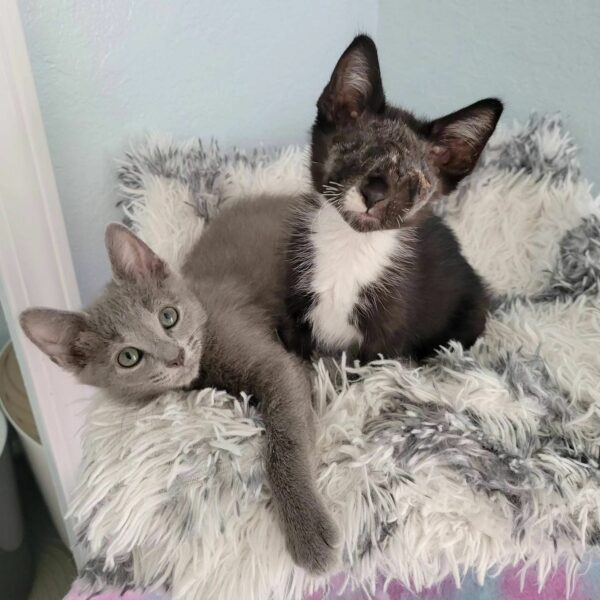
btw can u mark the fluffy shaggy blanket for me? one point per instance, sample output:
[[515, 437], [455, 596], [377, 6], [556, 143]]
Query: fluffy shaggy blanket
[[478, 460]]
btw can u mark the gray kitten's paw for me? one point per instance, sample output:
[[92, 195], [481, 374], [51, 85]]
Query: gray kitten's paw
[[312, 540]]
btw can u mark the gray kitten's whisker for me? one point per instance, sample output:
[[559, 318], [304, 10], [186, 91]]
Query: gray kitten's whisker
[[231, 309], [89, 344]]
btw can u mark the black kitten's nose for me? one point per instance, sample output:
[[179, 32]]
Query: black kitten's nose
[[178, 360], [374, 190]]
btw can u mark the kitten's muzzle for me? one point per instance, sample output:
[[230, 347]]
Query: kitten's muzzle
[[374, 190], [178, 361]]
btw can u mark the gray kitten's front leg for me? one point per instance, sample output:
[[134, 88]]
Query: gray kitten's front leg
[[242, 355], [310, 532]]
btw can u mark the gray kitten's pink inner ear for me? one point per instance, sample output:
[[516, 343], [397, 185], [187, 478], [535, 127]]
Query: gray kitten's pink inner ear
[[355, 85], [131, 258], [55, 332]]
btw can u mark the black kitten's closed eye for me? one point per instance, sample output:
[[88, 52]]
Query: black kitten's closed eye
[[168, 316]]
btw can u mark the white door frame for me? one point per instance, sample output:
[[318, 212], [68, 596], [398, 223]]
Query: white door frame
[[35, 260]]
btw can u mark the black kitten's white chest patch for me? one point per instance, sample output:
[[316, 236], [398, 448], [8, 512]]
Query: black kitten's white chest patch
[[346, 262]]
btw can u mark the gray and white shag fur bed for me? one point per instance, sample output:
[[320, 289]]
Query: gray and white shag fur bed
[[479, 460]]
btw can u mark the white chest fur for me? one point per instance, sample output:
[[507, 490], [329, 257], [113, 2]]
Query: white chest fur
[[345, 263]]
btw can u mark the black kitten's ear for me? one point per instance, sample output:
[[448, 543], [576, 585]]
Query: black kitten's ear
[[55, 332], [130, 258], [355, 85], [459, 138]]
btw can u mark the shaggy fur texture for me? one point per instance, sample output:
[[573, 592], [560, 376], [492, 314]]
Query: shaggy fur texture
[[479, 459]]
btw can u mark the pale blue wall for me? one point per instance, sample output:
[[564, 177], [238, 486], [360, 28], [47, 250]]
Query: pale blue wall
[[539, 55], [250, 72], [107, 70]]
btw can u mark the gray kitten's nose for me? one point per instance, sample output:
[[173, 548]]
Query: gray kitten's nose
[[374, 190], [178, 360]]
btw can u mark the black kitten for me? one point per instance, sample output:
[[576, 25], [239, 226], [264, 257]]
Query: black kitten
[[371, 270]]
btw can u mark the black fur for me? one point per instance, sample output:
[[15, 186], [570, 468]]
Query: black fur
[[401, 165], [446, 300]]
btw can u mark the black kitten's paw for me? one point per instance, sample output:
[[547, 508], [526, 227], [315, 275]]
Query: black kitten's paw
[[312, 540]]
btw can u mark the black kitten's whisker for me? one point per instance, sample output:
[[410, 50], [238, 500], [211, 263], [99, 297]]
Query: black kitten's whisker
[[370, 266]]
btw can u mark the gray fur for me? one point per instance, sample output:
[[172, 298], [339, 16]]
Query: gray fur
[[578, 268], [229, 299], [237, 268], [523, 151], [126, 314], [201, 168], [528, 459]]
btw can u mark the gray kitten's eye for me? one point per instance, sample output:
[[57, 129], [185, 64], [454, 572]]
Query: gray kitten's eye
[[168, 316], [129, 357]]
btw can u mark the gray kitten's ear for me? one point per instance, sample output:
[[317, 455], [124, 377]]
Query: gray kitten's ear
[[459, 138], [132, 259], [355, 85], [55, 332]]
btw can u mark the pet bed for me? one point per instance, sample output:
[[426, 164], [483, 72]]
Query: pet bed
[[477, 461]]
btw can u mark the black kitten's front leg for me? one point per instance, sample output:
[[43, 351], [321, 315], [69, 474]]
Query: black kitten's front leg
[[296, 336]]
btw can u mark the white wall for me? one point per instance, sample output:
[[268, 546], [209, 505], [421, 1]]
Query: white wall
[[108, 70], [538, 55]]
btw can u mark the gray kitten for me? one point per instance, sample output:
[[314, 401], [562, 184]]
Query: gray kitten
[[213, 324]]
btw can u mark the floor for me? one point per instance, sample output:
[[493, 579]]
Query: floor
[[53, 566]]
